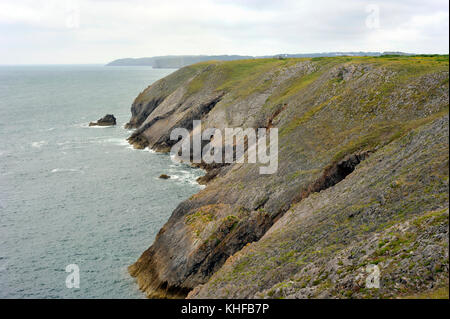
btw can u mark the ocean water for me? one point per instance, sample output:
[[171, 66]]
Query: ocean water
[[73, 194]]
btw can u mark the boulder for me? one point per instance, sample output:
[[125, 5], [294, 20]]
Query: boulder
[[107, 120]]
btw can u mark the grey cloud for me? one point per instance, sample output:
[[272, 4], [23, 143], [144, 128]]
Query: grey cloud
[[34, 31]]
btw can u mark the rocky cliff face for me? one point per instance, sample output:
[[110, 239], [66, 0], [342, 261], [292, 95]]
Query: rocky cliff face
[[362, 179]]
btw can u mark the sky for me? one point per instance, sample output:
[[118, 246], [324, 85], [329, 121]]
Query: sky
[[99, 31]]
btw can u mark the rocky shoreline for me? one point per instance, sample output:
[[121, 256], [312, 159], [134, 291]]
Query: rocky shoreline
[[362, 180]]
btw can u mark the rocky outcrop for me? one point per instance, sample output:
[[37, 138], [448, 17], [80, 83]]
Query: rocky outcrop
[[378, 215], [107, 120], [363, 158]]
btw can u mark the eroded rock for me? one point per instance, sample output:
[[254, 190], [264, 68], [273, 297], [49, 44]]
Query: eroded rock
[[107, 120]]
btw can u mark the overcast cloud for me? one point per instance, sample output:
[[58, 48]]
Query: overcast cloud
[[88, 31]]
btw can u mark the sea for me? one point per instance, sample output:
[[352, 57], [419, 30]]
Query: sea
[[78, 202]]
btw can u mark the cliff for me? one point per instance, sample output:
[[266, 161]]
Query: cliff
[[362, 179]]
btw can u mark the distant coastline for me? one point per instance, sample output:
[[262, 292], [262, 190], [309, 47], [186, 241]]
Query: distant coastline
[[179, 61]]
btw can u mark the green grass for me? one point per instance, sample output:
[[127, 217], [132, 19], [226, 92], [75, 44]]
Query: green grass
[[199, 219], [439, 293], [383, 133], [305, 117], [438, 217], [238, 76], [241, 76], [297, 85]]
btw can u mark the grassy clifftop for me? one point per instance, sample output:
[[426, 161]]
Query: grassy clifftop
[[362, 179]]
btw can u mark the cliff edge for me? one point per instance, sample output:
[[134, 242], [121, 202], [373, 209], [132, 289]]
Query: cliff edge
[[362, 180]]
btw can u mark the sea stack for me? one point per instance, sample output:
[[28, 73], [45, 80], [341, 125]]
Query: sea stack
[[107, 120]]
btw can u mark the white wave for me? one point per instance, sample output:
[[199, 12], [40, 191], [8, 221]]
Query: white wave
[[64, 143], [99, 126], [61, 170], [39, 144], [183, 174], [117, 141], [86, 125], [47, 129], [82, 125], [176, 159], [148, 149]]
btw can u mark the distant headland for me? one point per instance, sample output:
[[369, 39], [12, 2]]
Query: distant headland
[[179, 61]]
